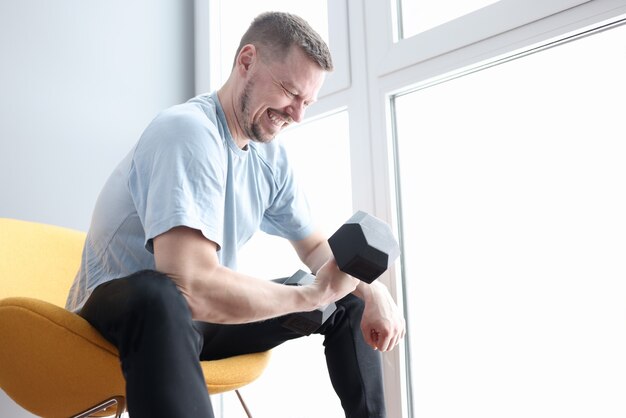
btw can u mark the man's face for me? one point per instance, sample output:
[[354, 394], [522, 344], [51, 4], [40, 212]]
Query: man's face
[[277, 94]]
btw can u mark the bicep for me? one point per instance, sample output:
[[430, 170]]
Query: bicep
[[184, 254]]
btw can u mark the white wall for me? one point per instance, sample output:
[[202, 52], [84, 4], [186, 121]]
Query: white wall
[[79, 81]]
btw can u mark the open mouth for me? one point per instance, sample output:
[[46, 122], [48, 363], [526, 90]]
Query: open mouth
[[277, 119]]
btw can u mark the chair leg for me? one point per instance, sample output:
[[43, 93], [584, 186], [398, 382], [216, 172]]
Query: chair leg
[[245, 407], [116, 400]]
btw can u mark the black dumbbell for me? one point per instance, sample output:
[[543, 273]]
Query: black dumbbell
[[364, 247]]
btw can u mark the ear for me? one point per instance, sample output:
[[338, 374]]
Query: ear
[[246, 57]]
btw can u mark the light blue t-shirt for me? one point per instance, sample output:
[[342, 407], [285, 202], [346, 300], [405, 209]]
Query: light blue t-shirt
[[186, 170]]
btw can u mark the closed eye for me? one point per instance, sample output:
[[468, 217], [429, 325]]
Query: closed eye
[[288, 92], [292, 95]]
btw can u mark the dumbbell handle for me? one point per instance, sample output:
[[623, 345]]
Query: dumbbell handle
[[306, 322]]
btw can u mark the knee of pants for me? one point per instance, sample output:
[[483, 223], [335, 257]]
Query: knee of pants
[[154, 295], [347, 316]]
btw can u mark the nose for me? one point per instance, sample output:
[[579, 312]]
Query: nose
[[296, 111]]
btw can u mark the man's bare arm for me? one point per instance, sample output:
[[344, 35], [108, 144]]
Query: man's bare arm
[[220, 295]]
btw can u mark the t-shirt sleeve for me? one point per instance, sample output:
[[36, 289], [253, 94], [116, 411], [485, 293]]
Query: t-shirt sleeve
[[177, 176]]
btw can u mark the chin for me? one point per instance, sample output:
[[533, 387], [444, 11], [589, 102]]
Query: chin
[[261, 136]]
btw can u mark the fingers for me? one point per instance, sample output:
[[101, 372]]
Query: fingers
[[373, 339], [385, 343], [383, 340]]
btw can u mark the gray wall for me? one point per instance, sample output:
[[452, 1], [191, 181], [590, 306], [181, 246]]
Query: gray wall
[[79, 80]]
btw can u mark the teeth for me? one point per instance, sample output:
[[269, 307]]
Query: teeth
[[276, 120]]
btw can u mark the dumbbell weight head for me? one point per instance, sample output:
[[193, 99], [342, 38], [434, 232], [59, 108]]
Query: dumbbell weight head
[[364, 247]]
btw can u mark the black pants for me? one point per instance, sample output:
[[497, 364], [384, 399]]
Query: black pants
[[148, 320]]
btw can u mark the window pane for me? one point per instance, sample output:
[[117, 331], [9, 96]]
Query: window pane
[[421, 15], [236, 16], [513, 188], [320, 152]]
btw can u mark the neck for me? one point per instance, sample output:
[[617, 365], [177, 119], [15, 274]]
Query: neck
[[227, 97]]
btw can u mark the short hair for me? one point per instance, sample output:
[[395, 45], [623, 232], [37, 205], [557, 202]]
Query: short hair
[[276, 32]]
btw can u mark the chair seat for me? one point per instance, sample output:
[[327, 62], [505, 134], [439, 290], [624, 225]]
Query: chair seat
[[57, 364]]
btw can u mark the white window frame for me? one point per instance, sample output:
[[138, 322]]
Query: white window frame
[[497, 18], [372, 66]]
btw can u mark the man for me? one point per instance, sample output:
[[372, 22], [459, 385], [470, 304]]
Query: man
[[158, 277]]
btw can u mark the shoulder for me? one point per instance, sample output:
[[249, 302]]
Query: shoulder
[[191, 127], [195, 116]]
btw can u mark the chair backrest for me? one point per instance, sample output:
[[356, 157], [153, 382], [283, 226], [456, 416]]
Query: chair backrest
[[38, 260]]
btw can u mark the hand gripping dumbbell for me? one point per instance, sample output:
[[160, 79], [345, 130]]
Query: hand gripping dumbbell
[[364, 247]]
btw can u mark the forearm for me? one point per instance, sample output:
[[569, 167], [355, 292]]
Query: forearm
[[224, 296]]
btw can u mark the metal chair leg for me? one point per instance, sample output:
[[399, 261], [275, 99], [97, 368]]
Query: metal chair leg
[[245, 407], [121, 407], [116, 400]]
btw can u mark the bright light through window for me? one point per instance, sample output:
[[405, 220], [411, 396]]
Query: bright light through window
[[514, 201], [420, 15]]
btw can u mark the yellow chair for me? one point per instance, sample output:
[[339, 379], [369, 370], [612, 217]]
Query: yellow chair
[[52, 362]]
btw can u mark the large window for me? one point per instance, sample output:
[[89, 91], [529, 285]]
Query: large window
[[513, 195], [498, 161]]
